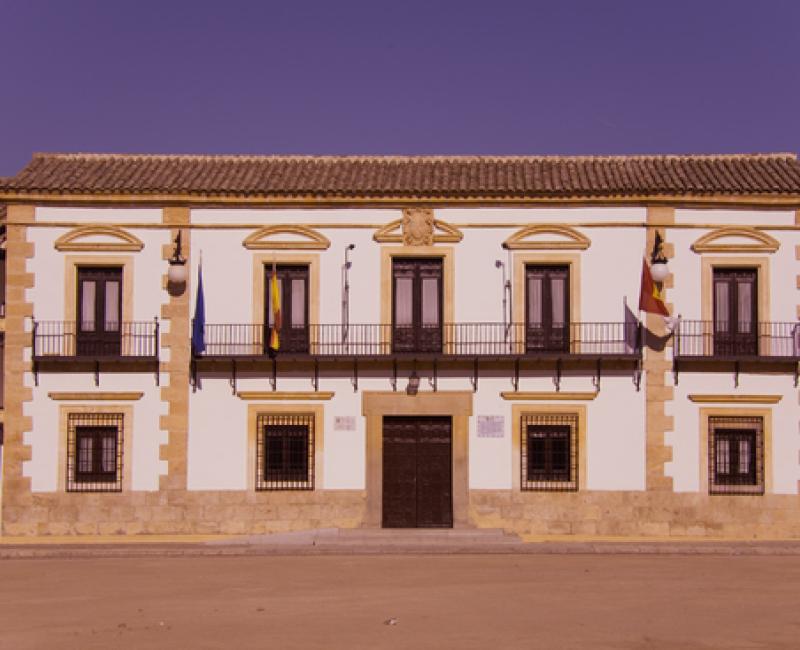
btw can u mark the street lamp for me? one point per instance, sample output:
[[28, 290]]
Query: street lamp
[[176, 275], [658, 263]]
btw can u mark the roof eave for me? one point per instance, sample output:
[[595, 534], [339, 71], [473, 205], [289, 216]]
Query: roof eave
[[773, 201]]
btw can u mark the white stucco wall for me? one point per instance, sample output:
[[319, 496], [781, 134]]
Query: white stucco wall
[[615, 445], [685, 439], [686, 298], [48, 297], [144, 465], [610, 271]]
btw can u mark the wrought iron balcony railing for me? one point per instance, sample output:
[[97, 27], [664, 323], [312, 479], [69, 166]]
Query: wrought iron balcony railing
[[451, 340], [54, 340], [731, 340]]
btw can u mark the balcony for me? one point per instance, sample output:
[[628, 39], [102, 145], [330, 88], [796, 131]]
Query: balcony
[[745, 345], [453, 340], [576, 344], [130, 347]]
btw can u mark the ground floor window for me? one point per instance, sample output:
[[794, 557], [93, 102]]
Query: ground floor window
[[285, 451], [736, 455], [94, 452], [549, 451]]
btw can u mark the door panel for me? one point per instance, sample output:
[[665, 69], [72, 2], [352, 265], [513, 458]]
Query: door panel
[[99, 326], [417, 472], [434, 469], [399, 473], [417, 305], [293, 288], [547, 312], [735, 312]]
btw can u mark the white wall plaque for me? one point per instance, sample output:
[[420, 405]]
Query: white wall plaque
[[344, 423], [491, 426]]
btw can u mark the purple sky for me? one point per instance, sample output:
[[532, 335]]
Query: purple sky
[[375, 77]]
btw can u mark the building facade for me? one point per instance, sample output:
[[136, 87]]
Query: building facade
[[459, 345]]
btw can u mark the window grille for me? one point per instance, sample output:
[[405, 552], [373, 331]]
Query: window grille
[[549, 452], [735, 455], [94, 452], [285, 452]]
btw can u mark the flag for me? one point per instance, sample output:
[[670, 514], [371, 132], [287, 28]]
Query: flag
[[631, 325], [650, 298], [199, 322], [275, 297]]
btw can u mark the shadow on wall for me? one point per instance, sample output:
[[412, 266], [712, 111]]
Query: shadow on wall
[[656, 342]]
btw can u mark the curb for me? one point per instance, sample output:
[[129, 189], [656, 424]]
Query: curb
[[202, 549]]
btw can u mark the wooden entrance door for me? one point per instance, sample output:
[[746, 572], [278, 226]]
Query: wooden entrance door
[[417, 472]]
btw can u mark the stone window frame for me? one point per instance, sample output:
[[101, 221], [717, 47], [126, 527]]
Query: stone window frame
[[520, 262], [260, 410], [262, 260], [74, 262], [706, 414], [125, 412], [579, 412], [444, 253], [708, 264]]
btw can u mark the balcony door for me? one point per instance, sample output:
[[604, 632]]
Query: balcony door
[[547, 308], [417, 305], [735, 312], [99, 327], [293, 289]]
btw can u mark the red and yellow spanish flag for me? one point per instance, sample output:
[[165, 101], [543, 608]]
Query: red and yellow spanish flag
[[275, 294], [650, 298]]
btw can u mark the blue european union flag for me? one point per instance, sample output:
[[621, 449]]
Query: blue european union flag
[[199, 322]]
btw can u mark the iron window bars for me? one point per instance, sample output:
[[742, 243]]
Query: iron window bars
[[549, 452], [735, 455], [285, 451], [94, 452]]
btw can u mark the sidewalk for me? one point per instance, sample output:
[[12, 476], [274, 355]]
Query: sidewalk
[[377, 542]]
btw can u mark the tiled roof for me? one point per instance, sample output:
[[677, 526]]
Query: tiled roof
[[434, 177]]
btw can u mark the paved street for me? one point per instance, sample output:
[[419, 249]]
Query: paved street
[[485, 601]]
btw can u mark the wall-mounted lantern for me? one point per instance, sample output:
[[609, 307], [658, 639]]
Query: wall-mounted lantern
[[177, 274], [413, 384], [658, 263]]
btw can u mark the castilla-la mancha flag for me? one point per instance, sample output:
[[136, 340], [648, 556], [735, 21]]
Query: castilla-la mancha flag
[[650, 298]]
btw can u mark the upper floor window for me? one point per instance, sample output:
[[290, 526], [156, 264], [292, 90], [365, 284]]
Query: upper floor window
[[417, 304], [99, 311], [735, 311], [547, 308], [293, 289]]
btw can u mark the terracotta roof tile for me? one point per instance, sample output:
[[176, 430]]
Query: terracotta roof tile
[[433, 177]]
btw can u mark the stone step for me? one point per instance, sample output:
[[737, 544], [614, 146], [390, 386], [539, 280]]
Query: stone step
[[380, 537]]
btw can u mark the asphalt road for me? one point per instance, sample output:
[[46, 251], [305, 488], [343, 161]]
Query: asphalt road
[[465, 601]]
